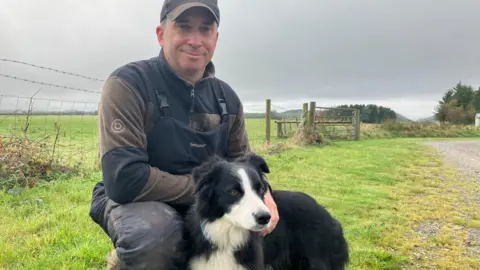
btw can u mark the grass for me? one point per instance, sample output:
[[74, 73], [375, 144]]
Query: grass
[[78, 136], [381, 191], [77, 140], [418, 130]]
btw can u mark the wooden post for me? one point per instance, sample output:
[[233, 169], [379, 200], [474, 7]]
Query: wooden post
[[267, 119], [279, 129], [357, 125], [305, 114], [354, 124], [311, 115]]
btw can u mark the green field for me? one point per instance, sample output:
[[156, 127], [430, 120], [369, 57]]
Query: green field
[[81, 131], [379, 189]]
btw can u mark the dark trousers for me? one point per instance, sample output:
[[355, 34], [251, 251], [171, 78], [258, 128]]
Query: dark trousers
[[146, 235]]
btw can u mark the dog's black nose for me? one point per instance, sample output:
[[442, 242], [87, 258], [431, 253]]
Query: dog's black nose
[[262, 218]]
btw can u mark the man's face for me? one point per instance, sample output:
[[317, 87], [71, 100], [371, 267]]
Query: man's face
[[189, 42]]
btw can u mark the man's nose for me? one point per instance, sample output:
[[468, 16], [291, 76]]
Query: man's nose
[[195, 39]]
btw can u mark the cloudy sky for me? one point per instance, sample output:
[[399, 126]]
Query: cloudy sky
[[396, 53]]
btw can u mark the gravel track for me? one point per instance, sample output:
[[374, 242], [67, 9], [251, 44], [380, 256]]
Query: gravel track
[[464, 155]]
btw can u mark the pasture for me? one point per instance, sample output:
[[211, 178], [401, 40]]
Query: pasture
[[380, 189]]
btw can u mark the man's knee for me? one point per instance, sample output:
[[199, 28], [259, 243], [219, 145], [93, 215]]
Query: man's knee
[[147, 235]]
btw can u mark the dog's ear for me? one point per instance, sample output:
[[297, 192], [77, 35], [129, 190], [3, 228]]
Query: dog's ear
[[255, 160], [199, 172], [203, 175]]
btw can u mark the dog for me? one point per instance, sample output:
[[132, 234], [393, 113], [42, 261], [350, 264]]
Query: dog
[[223, 226]]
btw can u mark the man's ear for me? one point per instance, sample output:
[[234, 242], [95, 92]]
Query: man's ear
[[255, 160], [160, 34]]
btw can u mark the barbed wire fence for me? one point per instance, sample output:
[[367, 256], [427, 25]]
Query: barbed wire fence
[[49, 130], [68, 127]]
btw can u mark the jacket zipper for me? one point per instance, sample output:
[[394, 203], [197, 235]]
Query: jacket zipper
[[192, 96]]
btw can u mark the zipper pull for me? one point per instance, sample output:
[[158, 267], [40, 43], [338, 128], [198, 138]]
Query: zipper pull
[[192, 95]]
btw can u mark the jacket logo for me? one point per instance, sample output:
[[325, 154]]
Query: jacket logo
[[117, 126], [196, 145]]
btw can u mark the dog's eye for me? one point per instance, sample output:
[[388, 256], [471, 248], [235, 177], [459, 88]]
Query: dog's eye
[[233, 192]]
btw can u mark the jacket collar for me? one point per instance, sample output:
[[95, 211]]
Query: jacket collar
[[166, 69]]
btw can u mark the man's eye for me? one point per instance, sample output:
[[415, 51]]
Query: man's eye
[[184, 26]]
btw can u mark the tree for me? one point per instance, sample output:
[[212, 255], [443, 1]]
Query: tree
[[458, 105], [371, 113]]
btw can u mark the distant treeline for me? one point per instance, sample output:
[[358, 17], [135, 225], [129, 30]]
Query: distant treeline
[[370, 113], [459, 105]]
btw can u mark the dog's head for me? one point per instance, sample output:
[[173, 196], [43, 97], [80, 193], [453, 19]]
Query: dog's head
[[233, 191]]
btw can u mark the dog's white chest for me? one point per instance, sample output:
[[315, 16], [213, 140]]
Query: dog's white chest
[[218, 260]]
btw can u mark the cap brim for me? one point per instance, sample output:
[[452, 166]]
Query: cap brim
[[182, 8]]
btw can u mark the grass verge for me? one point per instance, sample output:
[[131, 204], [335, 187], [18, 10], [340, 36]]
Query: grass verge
[[417, 130], [436, 202]]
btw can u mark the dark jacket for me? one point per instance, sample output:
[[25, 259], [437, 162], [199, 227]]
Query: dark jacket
[[127, 115]]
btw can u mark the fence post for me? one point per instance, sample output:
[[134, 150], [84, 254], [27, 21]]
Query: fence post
[[304, 119], [311, 116], [267, 119], [357, 125], [305, 111]]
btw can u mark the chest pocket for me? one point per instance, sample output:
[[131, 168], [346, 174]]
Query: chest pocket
[[204, 121]]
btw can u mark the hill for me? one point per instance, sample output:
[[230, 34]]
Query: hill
[[276, 115], [402, 118], [430, 119]]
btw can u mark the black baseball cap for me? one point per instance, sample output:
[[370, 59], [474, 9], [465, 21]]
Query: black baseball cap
[[173, 8]]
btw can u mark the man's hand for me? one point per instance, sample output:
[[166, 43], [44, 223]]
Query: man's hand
[[272, 207]]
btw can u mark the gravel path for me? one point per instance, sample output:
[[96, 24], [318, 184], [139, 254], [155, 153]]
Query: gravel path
[[464, 155]]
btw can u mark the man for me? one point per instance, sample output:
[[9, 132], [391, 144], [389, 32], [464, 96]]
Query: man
[[159, 118]]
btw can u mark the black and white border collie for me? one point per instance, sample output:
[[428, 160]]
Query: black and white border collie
[[223, 225]]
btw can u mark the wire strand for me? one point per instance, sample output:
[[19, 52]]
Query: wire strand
[[52, 69], [49, 84]]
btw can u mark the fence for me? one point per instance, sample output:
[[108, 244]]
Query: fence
[[48, 124], [67, 127], [71, 126], [338, 123], [70, 135], [331, 122]]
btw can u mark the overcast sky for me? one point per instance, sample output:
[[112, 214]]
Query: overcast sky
[[403, 54]]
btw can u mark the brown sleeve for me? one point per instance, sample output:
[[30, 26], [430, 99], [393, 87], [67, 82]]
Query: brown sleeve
[[238, 142], [127, 176]]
